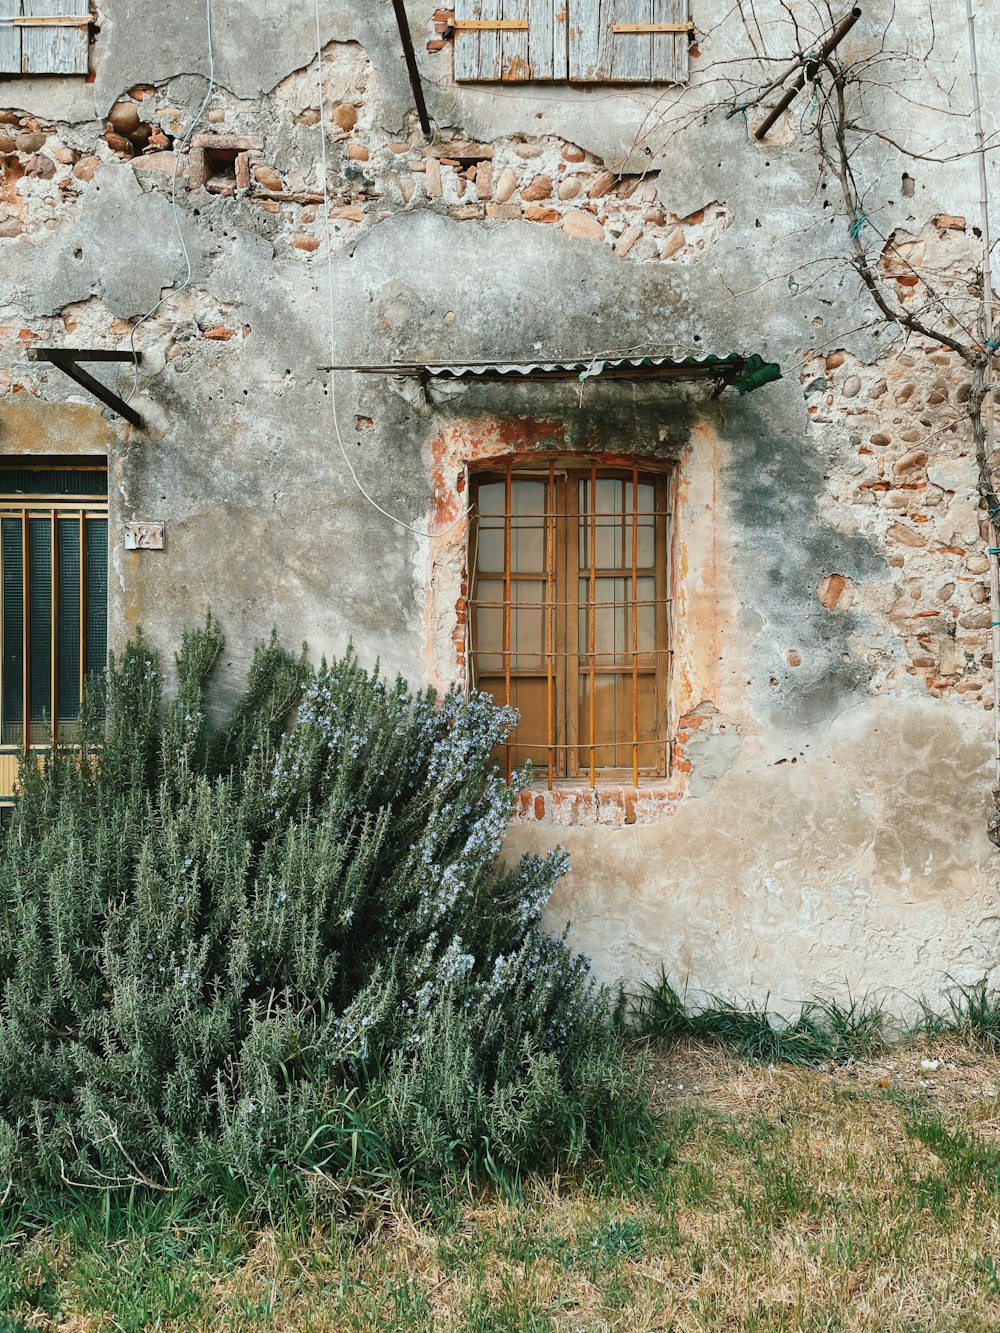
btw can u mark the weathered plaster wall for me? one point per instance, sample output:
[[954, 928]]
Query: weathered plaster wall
[[823, 825]]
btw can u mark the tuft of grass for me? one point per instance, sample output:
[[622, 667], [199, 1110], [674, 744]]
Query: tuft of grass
[[823, 1029]]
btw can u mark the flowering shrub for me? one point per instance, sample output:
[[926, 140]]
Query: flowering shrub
[[287, 944]]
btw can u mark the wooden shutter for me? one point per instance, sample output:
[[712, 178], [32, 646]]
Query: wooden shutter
[[628, 41], [45, 36], [10, 37], [511, 40]]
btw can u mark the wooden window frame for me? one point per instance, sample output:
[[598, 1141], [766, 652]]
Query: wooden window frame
[[572, 756]]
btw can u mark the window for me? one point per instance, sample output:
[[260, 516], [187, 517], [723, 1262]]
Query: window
[[590, 41], [569, 616], [54, 591], [44, 36]]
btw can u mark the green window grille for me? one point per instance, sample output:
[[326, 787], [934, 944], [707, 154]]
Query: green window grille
[[54, 588]]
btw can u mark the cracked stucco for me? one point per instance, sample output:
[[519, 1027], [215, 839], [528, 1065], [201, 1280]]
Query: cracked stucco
[[829, 831]]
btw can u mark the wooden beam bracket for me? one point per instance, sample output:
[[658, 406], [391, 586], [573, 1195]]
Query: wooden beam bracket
[[490, 25], [410, 57], [66, 359], [49, 21]]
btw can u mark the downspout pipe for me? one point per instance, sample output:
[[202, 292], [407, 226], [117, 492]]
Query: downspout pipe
[[990, 348]]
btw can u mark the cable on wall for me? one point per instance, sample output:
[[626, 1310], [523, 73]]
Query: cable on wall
[[426, 534]]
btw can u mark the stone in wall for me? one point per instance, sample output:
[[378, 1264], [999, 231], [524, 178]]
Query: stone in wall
[[900, 469]]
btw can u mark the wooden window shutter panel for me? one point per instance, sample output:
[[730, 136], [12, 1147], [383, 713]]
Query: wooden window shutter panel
[[602, 49], [510, 40], [10, 38], [53, 37]]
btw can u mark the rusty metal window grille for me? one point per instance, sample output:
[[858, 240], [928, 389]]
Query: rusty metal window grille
[[569, 616], [53, 601]]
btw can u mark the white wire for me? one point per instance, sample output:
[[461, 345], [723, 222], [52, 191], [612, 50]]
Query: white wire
[[331, 323], [179, 148]]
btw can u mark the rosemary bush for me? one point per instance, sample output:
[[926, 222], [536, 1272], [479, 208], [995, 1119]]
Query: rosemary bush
[[238, 956]]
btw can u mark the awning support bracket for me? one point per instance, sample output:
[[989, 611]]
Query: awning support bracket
[[411, 67], [66, 359]]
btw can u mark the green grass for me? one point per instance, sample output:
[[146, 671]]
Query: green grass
[[822, 1030], [783, 1198]]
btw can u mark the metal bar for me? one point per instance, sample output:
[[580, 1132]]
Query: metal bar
[[81, 354], [53, 628], [25, 633], [411, 67], [986, 481], [508, 484], [66, 362], [603, 606], [550, 610], [809, 69], [635, 627], [662, 629], [490, 25], [592, 637], [650, 27]]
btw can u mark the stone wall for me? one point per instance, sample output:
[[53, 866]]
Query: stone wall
[[823, 821]]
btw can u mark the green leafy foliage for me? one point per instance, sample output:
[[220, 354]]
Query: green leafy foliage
[[286, 948], [822, 1030]]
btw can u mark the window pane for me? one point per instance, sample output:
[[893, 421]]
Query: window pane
[[13, 631], [527, 625], [96, 653], [528, 696], [68, 642], [646, 541], [527, 536], [490, 498], [40, 626], [613, 722]]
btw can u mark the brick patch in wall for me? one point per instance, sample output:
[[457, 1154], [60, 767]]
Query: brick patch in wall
[[613, 807]]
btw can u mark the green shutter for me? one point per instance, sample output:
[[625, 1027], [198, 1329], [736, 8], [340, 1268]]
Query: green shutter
[[13, 629], [96, 546], [39, 625], [68, 628]]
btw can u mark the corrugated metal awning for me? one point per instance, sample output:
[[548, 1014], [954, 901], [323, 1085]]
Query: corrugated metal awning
[[745, 373]]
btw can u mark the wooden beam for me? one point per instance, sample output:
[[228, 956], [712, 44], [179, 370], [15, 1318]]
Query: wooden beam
[[66, 358]]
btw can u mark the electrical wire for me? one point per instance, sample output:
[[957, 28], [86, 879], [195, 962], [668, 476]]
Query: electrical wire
[[425, 533], [180, 145]]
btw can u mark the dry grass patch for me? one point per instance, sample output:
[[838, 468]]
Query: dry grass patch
[[860, 1197]]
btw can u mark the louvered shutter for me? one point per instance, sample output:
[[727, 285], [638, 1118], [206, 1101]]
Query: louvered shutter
[[58, 43], [511, 40], [628, 41]]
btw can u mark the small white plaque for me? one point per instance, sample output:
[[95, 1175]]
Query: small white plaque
[[144, 536]]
